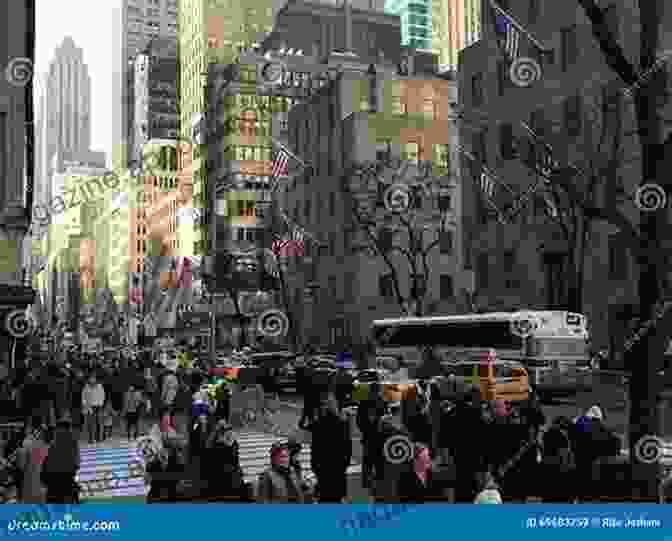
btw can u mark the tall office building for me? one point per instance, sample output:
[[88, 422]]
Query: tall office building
[[64, 109], [136, 23], [210, 32], [444, 27], [456, 25], [416, 21]]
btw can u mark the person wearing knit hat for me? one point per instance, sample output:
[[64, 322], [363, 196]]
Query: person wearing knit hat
[[490, 493], [279, 483], [594, 412]]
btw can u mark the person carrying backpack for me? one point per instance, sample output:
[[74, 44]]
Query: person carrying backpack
[[558, 463]]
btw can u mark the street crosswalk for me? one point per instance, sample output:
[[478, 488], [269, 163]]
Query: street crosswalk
[[111, 469], [114, 469]]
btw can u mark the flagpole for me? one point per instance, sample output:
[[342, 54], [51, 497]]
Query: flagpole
[[520, 28], [291, 154]]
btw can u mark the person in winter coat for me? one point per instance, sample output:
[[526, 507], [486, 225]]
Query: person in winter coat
[[592, 441], [417, 484], [61, 465], [369, 414], [198, 436], [30, 458], [279, 483], [490, 492], [224, 477], [166, 471], [132, 408], [331, 451], [93, 399], [169, 388], [558, 466]]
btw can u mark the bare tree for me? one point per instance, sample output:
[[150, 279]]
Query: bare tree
[[597, 168], [644, 358], [401, 188]]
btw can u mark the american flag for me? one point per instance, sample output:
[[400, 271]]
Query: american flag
[[298, 237], [487, 185], [279, 245], [508, 35], [280, 163], [547, 163]]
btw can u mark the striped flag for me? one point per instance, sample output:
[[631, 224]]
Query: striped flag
[[298, 243], [487, 185], [280, 163], [508, 35], [279, 245]]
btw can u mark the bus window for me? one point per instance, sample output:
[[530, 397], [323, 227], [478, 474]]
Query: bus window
[[484, 370]]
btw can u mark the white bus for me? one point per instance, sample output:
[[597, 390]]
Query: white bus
[[553, 345]]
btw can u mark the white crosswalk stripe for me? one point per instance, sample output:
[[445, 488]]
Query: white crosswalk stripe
[[112, 469]]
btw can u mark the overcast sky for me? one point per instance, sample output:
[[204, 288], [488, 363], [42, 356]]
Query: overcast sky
[[89, 24]]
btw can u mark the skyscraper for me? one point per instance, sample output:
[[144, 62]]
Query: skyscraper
[[136, 23], [64, 113], [416, 21], [444, 27], [456, 25]]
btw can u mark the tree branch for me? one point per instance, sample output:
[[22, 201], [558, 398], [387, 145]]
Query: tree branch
[[612, 51]]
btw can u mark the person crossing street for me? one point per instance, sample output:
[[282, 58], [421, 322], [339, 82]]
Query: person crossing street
[[93, 399]]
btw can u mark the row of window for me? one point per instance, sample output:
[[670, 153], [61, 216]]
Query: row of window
[[618, 268], [446, 286]]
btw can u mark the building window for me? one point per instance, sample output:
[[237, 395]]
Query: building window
[[618, 259], [444, 202], [482, 265], [442, 156], [507, 143], [480, 149], [477, 97], [412, 152], [386, 286], [333, 289], [385, 239], [428, 109], [306, 210], [398, 106], [572, 116], [446, 290], [446, 242], [509, 261], [383, 150], [538, 122], [533, 11], [503, 77], [611, 20], [332, 204], [569, 47]]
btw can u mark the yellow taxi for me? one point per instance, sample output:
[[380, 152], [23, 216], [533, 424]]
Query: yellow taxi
[[497, 379]]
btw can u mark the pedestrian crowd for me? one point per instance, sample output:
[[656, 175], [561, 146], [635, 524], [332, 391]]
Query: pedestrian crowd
[[459, 450]]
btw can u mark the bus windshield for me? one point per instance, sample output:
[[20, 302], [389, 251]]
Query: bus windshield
[[462, 334]]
